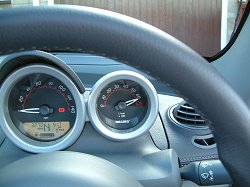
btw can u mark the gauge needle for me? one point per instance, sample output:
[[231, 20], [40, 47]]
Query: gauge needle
[[130, 102], [30, 110]]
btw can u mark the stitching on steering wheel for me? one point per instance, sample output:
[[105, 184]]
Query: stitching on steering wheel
[[198, 158]]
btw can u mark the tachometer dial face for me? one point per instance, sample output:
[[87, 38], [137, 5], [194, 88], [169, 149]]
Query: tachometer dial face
[[122, 104], [42, 107]]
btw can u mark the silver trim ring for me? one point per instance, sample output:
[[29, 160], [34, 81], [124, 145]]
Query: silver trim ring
[[25, 142], [142, 127]]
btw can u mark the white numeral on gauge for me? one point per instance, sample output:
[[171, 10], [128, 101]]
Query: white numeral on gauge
[[38, 83], [104, 97], [117, 86], [73, 109], [109, 90], [133, 90], [62, 88], [21, 98]]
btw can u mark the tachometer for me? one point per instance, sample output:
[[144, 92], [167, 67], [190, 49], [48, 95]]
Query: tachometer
[[45, 111], [123, 105]]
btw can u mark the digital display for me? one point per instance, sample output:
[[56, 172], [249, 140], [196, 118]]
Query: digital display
[[46, 131]]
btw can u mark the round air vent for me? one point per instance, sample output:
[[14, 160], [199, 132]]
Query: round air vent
[[184, 115], [204, 142]]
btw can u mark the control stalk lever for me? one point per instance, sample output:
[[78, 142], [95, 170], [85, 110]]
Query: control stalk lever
[[205, 173]]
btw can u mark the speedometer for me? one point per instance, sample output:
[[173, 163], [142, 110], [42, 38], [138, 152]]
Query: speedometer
[[123, 105], [43, 109]]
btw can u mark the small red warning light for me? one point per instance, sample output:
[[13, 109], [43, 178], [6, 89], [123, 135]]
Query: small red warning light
[[61, 110]]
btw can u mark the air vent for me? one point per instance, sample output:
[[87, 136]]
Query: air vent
[[184, 115], [204, 142]]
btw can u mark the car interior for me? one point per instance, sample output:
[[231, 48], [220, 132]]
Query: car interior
[[90, 97]]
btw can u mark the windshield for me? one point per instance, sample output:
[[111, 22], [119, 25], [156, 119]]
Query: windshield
[[204, 25]]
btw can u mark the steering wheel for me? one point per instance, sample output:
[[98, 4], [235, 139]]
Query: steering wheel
[[89, 30]]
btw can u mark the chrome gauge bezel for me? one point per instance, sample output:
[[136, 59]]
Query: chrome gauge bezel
[[143, 126], [25, 142]]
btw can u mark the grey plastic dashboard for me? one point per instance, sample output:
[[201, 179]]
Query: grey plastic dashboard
[[91, 68], [146, 151]]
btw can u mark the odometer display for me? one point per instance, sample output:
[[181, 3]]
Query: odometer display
[[122, 104], [42, 107], [46, 130]]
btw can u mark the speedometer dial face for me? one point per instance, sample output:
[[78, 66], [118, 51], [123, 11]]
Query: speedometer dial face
[[42, 107], [122, 104], [43, 110]]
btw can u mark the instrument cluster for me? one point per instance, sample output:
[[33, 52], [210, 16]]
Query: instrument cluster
[[44, 110]]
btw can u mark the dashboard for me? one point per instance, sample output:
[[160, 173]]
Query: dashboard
[[92, 104]]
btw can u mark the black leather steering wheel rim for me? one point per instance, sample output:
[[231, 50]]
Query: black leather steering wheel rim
[[70, 28]]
